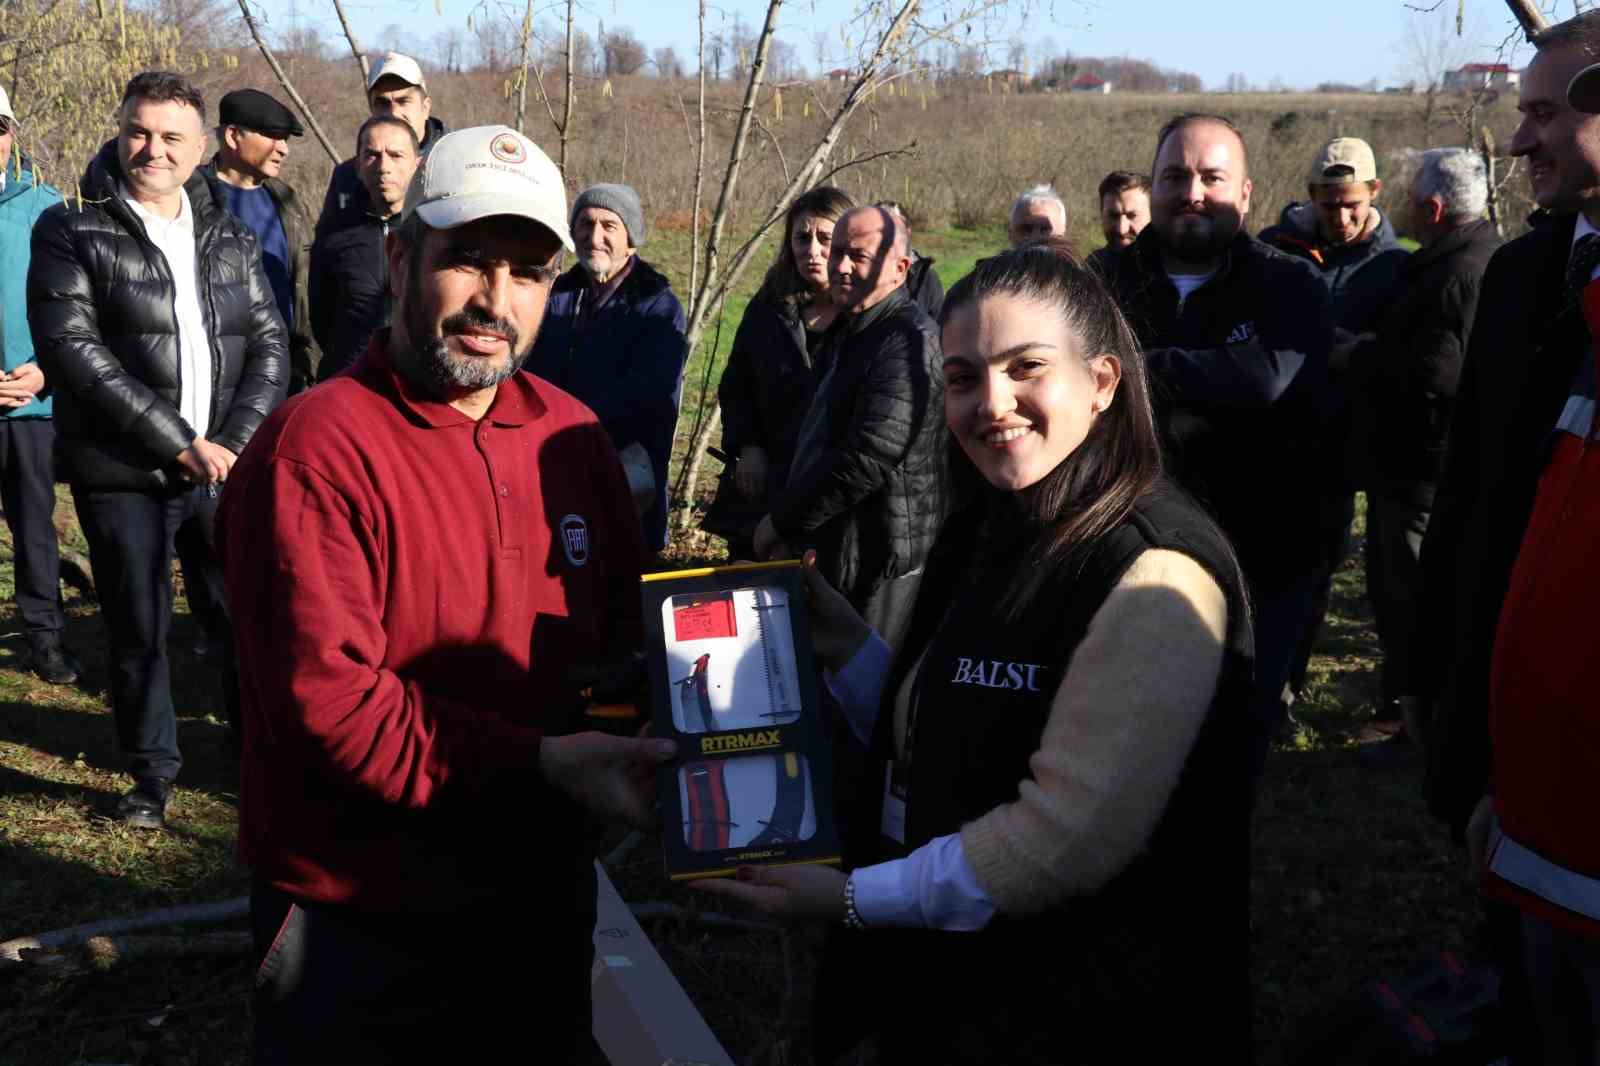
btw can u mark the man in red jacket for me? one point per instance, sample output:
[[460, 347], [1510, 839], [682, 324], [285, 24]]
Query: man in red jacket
[[421, 551], [1532, 839]]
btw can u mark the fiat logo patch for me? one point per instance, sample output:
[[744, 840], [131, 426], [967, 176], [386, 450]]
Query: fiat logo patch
[[575, 539]]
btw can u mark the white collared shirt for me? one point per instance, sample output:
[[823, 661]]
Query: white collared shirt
[[175, 238]]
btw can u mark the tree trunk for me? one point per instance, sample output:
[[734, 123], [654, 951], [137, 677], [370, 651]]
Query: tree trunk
[[522, 71], [713, 289], [566, 114]]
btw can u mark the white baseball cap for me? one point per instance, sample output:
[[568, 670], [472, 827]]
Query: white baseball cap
[[5, 107], [395, 65], [488, 170]]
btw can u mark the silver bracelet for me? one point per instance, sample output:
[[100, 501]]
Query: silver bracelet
[[852, 917]]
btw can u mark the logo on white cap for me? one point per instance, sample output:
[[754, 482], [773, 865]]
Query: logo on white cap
[[508, 149], [488, 170]]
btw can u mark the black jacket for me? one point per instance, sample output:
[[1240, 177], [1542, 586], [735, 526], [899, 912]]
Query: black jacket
[[867, 487], [100, 305], [1103, 261], [1403, 384], [349, 288], [1131, 942], [625, 361], [767, 387], [1239, 375], [304, 353], [346, 202], [1516, 378], [923, 283]]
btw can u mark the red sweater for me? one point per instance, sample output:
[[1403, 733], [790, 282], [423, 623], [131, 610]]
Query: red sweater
[[410, 591]]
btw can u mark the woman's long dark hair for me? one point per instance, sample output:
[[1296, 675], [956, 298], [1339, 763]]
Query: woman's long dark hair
[[1092, 490], [783, 281]]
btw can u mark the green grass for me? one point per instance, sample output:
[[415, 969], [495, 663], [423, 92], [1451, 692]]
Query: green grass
[[64, 861]]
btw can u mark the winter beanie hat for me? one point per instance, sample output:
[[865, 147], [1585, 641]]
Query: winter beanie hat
[[619, 198]]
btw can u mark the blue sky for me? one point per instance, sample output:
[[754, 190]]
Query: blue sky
[[1296, 45]]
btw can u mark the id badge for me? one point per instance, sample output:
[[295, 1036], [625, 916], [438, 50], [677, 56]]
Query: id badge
[[894, 803]]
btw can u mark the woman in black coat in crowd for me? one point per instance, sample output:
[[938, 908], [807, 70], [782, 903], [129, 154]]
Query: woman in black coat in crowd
[[774, 368], [1050, 860]]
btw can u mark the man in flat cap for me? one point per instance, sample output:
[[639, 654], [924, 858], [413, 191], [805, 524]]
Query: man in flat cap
[[613, 337], [253, 132], [395, 86]]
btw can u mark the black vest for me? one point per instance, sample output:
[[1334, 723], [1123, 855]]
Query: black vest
[[1025, 990]]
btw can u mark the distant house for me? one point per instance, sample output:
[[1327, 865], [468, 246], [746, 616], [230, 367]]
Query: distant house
[[1476, 76], [1090, 83], [838, 74]]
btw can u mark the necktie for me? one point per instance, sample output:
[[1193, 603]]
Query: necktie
[[1585, 257]]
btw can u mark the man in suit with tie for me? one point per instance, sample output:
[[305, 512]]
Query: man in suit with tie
[[1511, 578]]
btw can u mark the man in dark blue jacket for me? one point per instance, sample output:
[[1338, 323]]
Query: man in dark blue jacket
[[1352, 245], [613, 337], [1236, 337]]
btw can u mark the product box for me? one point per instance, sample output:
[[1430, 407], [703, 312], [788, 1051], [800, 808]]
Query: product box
[[732, 680]]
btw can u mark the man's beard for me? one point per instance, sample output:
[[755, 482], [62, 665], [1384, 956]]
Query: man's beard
[[431, 364], [1199, 244]]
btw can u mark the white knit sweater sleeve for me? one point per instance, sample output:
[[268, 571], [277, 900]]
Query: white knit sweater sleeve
[[1122, 722]]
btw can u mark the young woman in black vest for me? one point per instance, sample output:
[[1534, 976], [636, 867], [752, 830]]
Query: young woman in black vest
[[1054, 868]]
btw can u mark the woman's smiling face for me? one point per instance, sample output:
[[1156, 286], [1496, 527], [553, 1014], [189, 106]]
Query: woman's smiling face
[[1019, 397]]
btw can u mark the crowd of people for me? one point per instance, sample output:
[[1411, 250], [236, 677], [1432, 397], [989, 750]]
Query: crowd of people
[[1068, 533]]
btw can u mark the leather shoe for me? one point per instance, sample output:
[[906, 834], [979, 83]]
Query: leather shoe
[[55, 664], [146, 806]]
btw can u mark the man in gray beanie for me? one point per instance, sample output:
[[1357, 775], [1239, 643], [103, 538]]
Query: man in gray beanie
[[613, 337]]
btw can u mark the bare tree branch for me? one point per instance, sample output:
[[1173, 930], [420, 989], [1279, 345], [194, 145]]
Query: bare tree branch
[[566, 111], [784, 163], [699, 163], [1532, 19], [522, 70], [355, 46], [730, 180], [288, 86]]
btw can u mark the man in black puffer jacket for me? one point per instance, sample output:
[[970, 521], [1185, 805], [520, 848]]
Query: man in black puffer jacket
[[867, 486], [155, 324]]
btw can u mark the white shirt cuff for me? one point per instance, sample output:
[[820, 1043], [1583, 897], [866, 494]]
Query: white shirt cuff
[[934, 887], [859, 685]]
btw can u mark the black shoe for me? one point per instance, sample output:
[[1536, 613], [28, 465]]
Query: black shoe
[[55, 664], [146, 806]]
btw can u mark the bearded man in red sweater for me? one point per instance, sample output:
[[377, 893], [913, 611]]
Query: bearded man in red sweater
[[420, 553]]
